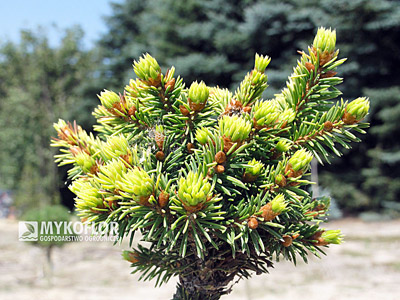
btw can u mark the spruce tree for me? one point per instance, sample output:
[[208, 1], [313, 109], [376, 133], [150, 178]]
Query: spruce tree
[[215, 181]]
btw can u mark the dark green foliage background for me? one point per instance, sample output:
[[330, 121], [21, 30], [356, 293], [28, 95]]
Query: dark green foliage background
[[214, 41]]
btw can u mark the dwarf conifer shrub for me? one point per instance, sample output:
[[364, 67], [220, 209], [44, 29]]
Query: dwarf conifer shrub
[[55, 217], [215, 182]]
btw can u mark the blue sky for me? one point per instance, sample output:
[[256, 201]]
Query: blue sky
[[29, 14]]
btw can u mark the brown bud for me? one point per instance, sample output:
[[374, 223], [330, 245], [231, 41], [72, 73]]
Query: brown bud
[[295, 236], [154, 82], [247, 177], [247, 109], [184, 110], [287, 240], [291, 173], [310, 67], [75, 150], [234, 106], [328, 74], [220, 157], [281, 181], [319, 240], [144, 200], [170, 84], [127, 158], [132, 111], [94, 169], [160, 156], [116, 107], [193, 209], [163, 199], [220, 169], [328, 126], [307, 87], [252, 223], [159, 138], [325, 57], [228, 144], [348, 119], [284, 124], [196, 106], [316, 235], [190, 148], [267, 213], [132, 257], [288, 170], [112, 204], [311, 213]]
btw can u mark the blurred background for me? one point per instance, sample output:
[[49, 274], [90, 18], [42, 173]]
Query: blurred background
[[56, 56]]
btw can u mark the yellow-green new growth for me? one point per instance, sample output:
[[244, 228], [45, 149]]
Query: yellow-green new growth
[[115, 147], [110, 173], [265, 113], [283, 145], [198, 92], [88, 196], [255, 168], [137, 183], [160, 129], [261, 62], [108, 98], [278, 204], [358, 108], [288, 115], [234, 127], [332, 236], [194, 189], [325, 40], [147, 68], [300, 160], [85, 161], [203, 135]]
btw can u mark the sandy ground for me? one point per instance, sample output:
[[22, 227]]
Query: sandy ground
[[366, 266]]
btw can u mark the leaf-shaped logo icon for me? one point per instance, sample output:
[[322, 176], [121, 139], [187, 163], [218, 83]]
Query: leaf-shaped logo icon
[[25, 234], [30, 228], [28, 231]]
